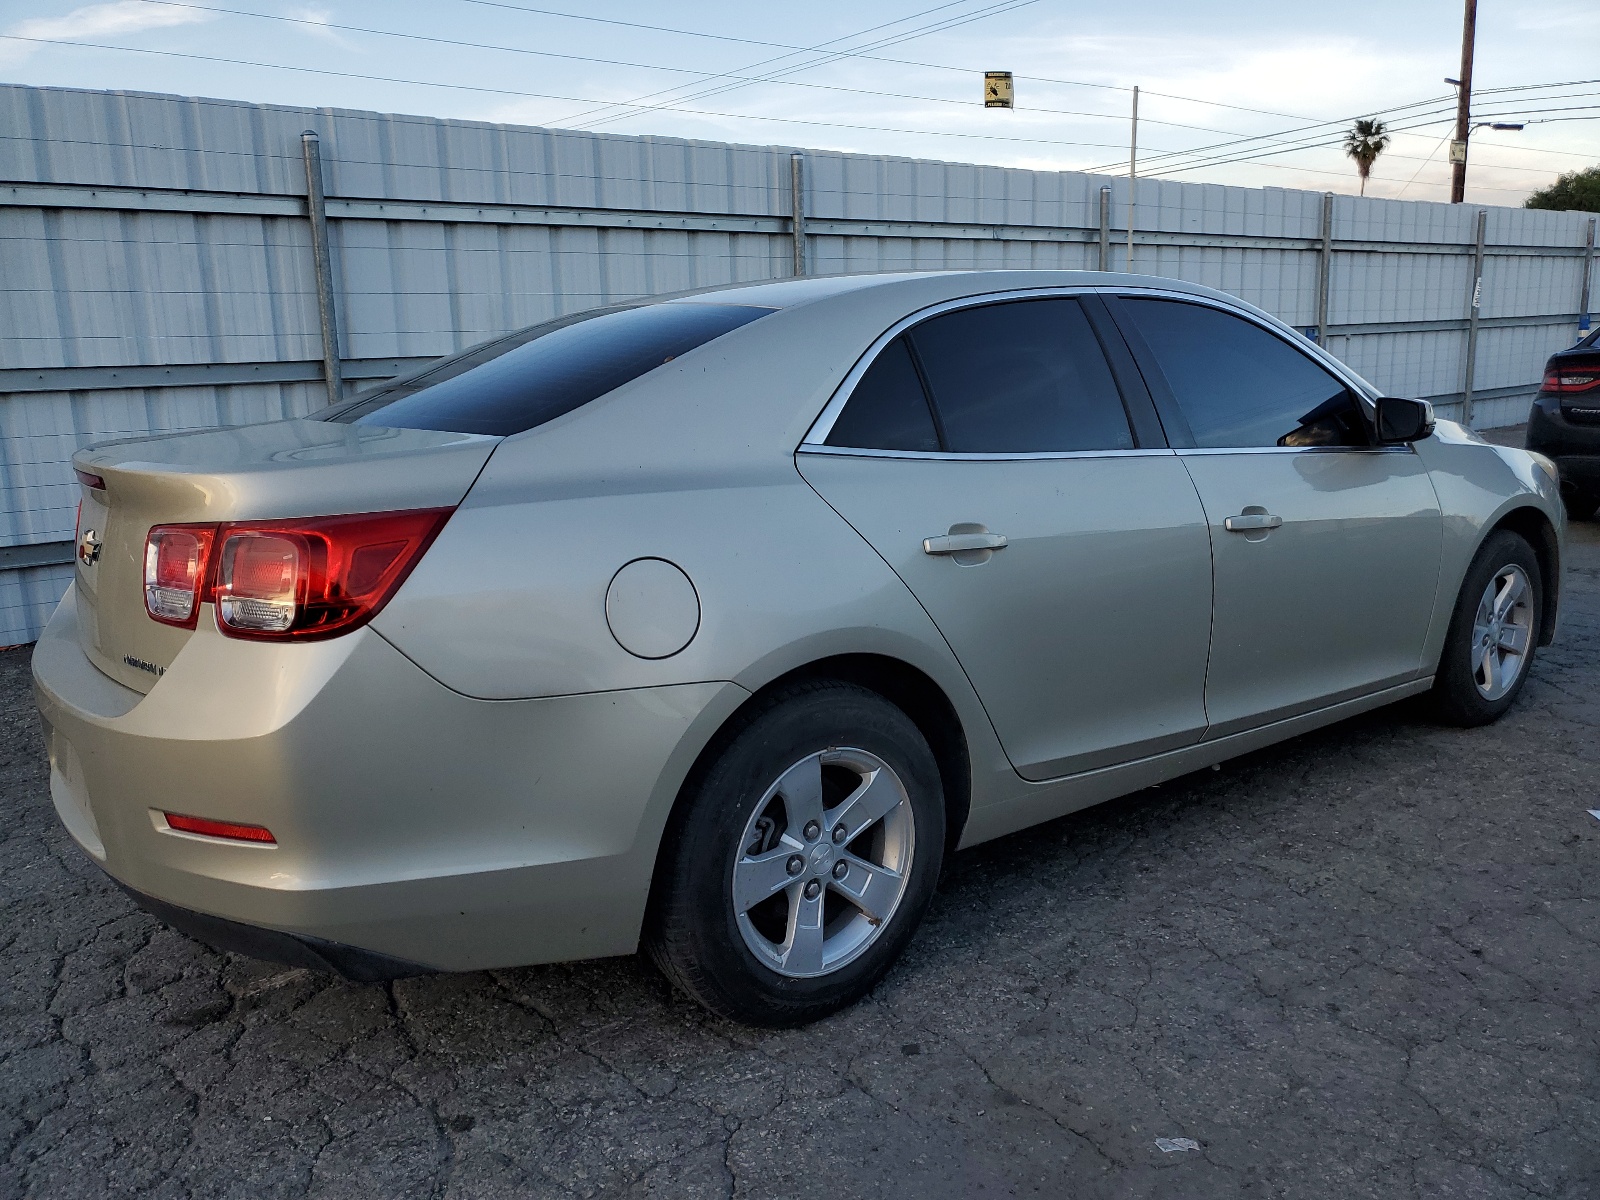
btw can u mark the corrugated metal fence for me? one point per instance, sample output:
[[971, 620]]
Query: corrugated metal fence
[[158, 268]]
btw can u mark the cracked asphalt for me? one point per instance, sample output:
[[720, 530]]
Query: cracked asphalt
[[1359, 964]]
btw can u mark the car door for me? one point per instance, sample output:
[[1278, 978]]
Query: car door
[[987, 454], [1325, 546]]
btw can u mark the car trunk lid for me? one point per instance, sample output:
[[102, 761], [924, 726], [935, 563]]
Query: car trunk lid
[[297, 468]]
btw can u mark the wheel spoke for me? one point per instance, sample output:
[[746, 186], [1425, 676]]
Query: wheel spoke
[[1491, 665], [869, 887], [1510, 595], [1514, 639], [875, 799], [760, 877], [801, 789], [802, 949]]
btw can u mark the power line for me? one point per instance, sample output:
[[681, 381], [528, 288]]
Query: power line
[[602, 116], [1286, 134], [905, 62], [418, 37], [467, 87], [1415, 175], [1157, 161]]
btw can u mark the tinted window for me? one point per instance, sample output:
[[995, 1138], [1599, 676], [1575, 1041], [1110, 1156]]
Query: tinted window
[[888, 409], [1025, 376], [524, 380], [1238, 385]]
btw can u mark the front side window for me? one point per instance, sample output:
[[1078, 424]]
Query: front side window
[[1017, 377], [1237, 385], [523, 380]]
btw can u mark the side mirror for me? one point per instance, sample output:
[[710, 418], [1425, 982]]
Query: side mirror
[[1401, 421]]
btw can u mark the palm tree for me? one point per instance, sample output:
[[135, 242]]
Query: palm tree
[[1366, 140]]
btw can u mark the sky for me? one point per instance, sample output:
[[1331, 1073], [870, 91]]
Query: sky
[[903, 78]]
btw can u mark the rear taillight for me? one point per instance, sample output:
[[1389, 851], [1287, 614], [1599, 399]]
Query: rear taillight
[[1570, 380], [301, 579], [90, 480], [177, 560]]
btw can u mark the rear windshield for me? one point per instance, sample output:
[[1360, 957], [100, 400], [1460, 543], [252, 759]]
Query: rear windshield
[[533, 376]]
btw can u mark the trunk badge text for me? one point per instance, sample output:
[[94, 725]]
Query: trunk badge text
[[89, 548]]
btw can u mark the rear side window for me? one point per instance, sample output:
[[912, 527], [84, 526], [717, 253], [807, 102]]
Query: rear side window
[[1027, 376], [524, 380], [1238, 385], [888, 410], [1020, 377]]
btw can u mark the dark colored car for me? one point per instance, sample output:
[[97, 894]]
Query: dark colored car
[[1565, 423]]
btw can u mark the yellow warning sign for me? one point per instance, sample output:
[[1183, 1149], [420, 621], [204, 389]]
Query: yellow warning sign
[[997, 91]]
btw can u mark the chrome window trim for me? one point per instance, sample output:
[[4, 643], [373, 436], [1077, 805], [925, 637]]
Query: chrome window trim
[[817, 435], [1397, 449], [947, 456]]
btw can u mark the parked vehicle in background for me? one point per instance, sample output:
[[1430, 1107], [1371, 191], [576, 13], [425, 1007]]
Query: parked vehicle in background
[[717, 623], [1565, 423]]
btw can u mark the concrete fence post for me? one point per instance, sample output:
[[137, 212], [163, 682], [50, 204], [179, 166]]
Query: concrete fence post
[[322, 259], [1474, 307]]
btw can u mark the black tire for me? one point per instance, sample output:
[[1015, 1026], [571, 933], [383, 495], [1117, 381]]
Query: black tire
[[694, 933], [1580, 505], [1458, 697]]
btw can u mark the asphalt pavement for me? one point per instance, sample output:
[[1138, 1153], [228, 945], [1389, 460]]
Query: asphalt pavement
[[1360, 964]]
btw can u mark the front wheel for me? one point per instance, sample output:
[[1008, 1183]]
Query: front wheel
[[802, 859], [1493, 633]]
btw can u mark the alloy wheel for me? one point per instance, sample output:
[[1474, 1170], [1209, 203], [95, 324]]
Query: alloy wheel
[[823, 862], [1502, 632]]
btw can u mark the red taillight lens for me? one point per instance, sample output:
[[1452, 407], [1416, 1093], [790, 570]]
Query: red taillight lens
[[263, 581], [1572, 380], [316, 578], [90, 480], [220, 829], [299, 579], [177, 559]]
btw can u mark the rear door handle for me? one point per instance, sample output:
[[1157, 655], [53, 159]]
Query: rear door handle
[[955, 543], [1250, 522]]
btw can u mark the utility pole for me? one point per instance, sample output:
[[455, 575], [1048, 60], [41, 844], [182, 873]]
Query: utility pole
[[1458, 148], [1133, 173]]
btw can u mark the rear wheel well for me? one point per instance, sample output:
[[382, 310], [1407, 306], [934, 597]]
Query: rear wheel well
[[1535, 528], [902, 685]]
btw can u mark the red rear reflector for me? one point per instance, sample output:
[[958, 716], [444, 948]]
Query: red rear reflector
[[220, 829], [90, 481]]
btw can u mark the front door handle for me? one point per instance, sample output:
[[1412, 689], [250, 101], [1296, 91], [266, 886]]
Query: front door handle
[[955, 543], [1252, 522]]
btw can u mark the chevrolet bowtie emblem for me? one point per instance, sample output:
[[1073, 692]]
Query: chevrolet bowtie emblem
[[89, 548]]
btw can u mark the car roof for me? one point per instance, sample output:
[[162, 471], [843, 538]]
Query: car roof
[[791, 293]]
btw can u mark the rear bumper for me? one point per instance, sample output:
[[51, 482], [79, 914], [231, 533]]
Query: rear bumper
[[1573, 447], [292, 949], [412, 823]]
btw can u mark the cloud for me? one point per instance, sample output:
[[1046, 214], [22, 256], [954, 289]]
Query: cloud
[[95, 21], [316, 21]]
